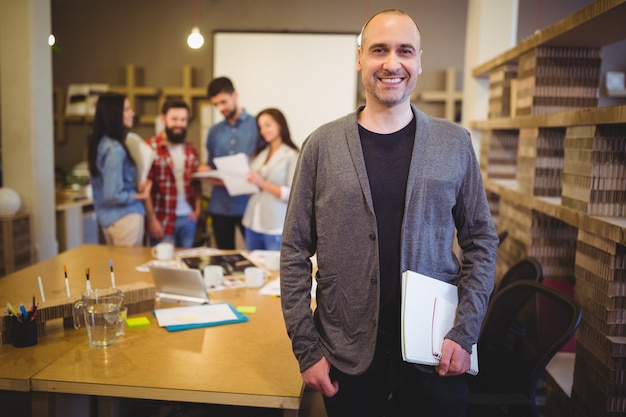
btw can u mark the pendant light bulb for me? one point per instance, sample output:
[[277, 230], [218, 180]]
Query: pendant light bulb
[[195, 39]]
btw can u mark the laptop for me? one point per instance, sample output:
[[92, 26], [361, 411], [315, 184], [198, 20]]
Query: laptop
[[179, 284]]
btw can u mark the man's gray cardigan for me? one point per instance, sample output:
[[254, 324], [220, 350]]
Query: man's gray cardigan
[[331, 213]]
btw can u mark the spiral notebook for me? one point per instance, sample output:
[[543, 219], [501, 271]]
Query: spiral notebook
[[428, 311]]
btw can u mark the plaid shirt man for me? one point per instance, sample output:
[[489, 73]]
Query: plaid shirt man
[[164, 191]]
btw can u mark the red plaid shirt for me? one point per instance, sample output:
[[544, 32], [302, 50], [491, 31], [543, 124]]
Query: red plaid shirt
[[164, 191]]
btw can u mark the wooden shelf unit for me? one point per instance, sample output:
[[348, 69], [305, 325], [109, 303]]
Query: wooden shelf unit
[[583, 254], [582, 117], [611, 228], [597, 25]]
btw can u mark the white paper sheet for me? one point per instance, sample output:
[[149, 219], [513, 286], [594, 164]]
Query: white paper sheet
[[206, 313], [234, 170], [273, 288], [142, 154], [418, 308], [207, 174]]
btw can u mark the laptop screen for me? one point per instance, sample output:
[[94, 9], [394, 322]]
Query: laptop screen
[[180, 284]]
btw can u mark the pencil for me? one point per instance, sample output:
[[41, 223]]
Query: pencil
[[88, 282], [67, 282], [112, 273]]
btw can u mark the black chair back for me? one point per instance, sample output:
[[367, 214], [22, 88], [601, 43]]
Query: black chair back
[[526, 324]]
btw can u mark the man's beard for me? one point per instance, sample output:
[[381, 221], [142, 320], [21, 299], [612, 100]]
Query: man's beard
[[176, 137], [232, 114]]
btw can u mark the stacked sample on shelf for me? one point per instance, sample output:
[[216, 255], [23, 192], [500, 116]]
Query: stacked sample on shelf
[[555, 79], [594, 170], [500, 90], [498, 154], [598, 387], [540, 161], [16, 251]]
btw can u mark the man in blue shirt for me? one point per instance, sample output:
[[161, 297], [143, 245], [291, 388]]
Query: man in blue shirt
[[237, 133]]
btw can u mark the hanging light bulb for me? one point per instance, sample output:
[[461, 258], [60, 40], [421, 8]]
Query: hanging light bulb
[[195, 39], [51, 40]]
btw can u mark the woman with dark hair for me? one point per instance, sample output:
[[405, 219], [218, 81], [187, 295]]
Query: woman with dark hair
[[272, 169], [116, 196]]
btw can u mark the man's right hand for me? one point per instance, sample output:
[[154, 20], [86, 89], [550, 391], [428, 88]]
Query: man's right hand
[[318, 378], [213, 181]]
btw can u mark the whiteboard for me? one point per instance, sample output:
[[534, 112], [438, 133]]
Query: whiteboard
[[311, 78]]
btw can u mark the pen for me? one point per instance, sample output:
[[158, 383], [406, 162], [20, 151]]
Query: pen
[[43, 296], [23, 311], [112, 273], [88, 282], [12, 311], [33, 310], [67, 282]]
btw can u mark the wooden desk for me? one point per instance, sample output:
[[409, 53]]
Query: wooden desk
[[19, 365], [245, 364]]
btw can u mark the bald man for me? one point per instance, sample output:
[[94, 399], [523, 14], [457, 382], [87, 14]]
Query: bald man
[[378, 192]]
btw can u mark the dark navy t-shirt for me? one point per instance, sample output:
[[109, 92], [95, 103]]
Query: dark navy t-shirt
[[388, 159]]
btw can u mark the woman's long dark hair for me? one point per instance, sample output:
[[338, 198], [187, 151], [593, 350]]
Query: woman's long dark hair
[[285, 135], [109, 121]]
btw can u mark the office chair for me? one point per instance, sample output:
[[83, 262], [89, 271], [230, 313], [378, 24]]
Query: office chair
[[529, 268], [526, 324]]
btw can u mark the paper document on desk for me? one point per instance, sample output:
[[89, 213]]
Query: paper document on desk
[[234, 170], [195, 316], [273, 288], [428, 311]]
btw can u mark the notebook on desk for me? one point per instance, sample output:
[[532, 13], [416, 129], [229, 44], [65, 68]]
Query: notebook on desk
[[179, 284]]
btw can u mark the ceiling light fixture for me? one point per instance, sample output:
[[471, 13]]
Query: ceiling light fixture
[[195, 40]]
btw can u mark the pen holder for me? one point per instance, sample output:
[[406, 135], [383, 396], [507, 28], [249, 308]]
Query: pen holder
[[24, 334]]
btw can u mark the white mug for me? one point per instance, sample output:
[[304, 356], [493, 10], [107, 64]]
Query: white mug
[[213, 276], [163, 251], [254, 277], [272, 261]]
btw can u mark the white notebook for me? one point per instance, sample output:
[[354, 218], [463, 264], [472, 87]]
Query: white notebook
[[428, 311]]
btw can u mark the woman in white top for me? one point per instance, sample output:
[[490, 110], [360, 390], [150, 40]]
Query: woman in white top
[[272, 169]]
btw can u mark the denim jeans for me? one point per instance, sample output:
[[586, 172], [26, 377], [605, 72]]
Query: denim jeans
[[262, 241], [184, 232]]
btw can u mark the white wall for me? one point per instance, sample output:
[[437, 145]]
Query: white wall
[[311, 78]]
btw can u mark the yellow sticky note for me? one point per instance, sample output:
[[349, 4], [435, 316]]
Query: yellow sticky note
[[135, 322], [246, 309]]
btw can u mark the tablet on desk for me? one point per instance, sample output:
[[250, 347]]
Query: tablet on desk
[[179, 284], [232, 263]]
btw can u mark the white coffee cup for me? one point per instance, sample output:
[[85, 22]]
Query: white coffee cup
[[163, 251], [272, 261], [254, 277], [213, 276]]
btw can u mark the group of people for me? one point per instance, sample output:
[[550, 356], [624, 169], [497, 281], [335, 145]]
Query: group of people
[[167, 204], [375, 193]]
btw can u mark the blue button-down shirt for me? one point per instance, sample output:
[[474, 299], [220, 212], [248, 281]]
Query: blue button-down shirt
[[225, 139], [114, 189]]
